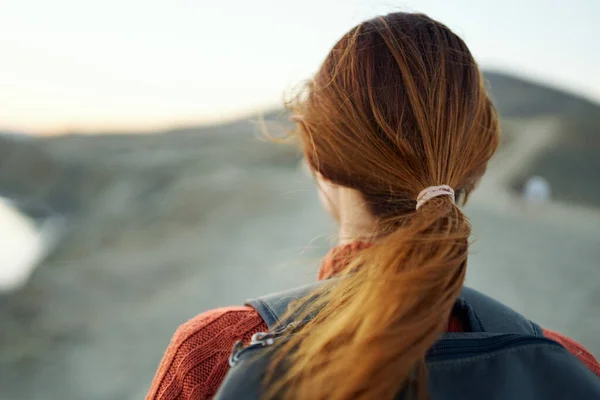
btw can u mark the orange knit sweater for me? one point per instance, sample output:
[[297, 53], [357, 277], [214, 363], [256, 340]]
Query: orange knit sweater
[[196, 361]]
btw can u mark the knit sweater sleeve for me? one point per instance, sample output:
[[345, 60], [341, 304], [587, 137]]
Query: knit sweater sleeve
[[196, 361], [576, 349]]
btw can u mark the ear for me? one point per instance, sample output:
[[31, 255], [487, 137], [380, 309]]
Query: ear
[[464, 193], [460, 197]]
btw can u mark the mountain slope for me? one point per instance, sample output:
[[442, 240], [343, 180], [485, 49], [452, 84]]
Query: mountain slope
[[519, 97], [571, 164]]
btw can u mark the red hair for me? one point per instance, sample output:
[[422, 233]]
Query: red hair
[[398, 105]]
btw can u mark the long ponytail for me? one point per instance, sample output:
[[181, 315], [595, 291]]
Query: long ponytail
[[397, 106]]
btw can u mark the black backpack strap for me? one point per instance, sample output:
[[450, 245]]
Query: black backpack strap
[[488, 315], [273, 306]]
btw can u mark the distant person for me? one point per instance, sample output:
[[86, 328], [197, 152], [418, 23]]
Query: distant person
[[397, 129], [536, 190]]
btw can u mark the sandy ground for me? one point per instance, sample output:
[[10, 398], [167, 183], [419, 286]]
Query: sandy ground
[[94, 325], [102, 320]]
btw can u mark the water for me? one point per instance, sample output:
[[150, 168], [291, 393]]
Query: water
[[24, 244]]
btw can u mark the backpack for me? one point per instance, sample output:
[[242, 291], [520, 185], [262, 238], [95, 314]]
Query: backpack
[[504, 356]]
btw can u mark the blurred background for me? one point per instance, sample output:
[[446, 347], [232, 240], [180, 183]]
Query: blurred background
[[135, 191]]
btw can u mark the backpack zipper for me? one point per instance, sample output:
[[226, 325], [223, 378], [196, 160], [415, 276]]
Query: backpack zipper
[[462, 348], [442, 350]]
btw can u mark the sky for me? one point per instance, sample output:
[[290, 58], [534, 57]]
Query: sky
[[79, 65]]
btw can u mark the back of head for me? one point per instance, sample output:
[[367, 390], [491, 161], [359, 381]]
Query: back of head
[[397, 106]]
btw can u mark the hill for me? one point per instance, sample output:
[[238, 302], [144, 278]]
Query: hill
[[68, 173], [571, 163], [518, 97]]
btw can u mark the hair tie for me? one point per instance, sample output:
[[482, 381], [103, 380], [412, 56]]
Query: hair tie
[[434, 191]]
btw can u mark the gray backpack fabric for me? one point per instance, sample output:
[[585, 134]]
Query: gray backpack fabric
[[503, 356]]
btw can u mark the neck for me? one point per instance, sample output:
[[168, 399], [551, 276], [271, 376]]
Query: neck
[[356, 221]]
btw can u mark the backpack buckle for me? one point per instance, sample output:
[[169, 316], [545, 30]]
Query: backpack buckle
[[259, 339], [236, 352], [268, 338]]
